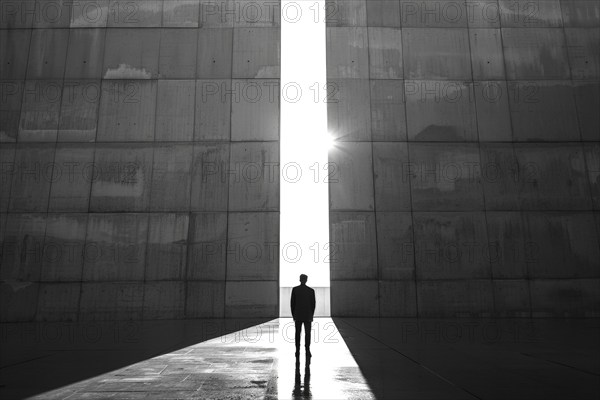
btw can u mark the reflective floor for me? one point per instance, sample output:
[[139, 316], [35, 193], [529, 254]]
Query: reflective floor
[[352, 359]]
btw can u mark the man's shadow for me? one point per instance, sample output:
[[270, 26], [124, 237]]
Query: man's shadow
[[302, 391]]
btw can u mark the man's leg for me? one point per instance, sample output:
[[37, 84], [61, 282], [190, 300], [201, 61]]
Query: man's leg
[[307, 329], [297, 338]]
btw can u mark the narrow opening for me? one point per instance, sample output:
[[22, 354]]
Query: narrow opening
[[304, 206]]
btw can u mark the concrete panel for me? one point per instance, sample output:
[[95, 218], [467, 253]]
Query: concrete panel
[[486, 54], [14, 58], [253, 176], [351, 177], [348, 109], [205, 300], [469, 298], [79, 110], [587, 102], [553, 177], [127, 111], [31, 178], [122, 178], [215, 53], [431, 14], [252, 13], [89, 14], [164, 300], [52, 14], [177, 53], [347, 53], [583, 44], [115, 247], [395, 246], [581, 13], [166, 247], [543, 111], [180, 13], [422, 49], [388, 116], [64, 247], [72, 177], [535, 53], [353, 253], [255, 110], [345, 12], [562, 245], [17, 14], [171, 178], [10, 109], [111, 301], [509, 249], [397, 299], [446, 176], [493, 113], [501, 176], [256, 53], [385, 53], [7, 168], [530, 14], [392, 176], [40, 111], [85, 54], [383, 13], [22, 249], [135, 13], [18, 301], [354, 299], [252, 246], [207, 245], [440, 111], [210, 186], [47, 54], [483, 14], [451, 246], [213, 110], [58, 302], [565, 298], [131, 53], [511, 298], [175, 110], [218, 14], [251, 299], [592, 160]]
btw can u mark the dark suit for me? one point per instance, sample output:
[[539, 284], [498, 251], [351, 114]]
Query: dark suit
[[303, 305]]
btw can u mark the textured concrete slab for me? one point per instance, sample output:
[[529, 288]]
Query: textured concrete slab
[[461, 298], [392, 177], [175, 110], [215, 53], [486, 54], [85, 54], [580, 13], [47, 53], [587, 101], [31, 179], [250, 299], [353, 253], [253, 176], [177, 59], [58, 302], [445, 176], [511, 298], [131, 53], [10, 109], [14, 63], [493, 114], [40, 110], [397, 299], [7, 155], [19, 301], [385, 53], [121, 178], [251, 13], [346, 13], [565, 297], [509, 249], [205, 299], [135, 14], [22, 252], [348, 115], [395, 246], [171, 178], [388, 116], [64, 248], [592, 160], [115, 249], [252, 247], [433, 14], [483, 13], [255, 110], [72, 178], [79, 111], [354, 298], [111, 301], [347, 53], [422, 47], [181, 13], [213, 110], [210, 180], [166, 256], [164, 300], [383, 13], [207, 248], [525, 14], [218, 14], [52, 14], [583, 59], [256, 53], [89, 14], [440, 111], [502, 176], [18, 14], [351, 177], [451, 246]]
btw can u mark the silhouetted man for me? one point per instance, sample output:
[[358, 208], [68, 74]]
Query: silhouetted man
[[303, 308]]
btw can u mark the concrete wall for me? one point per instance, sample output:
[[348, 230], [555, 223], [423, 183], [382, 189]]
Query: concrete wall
[[467, 162], [138, 145]]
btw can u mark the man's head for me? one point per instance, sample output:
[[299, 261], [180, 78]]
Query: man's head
[[303, 278]]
